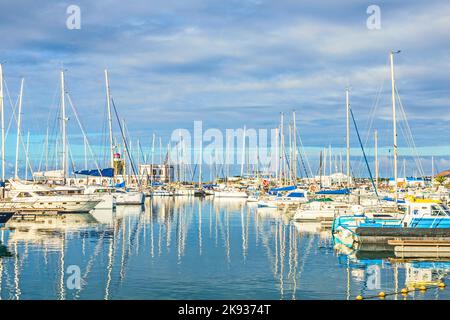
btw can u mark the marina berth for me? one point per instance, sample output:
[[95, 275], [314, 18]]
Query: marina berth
[[419, 218]]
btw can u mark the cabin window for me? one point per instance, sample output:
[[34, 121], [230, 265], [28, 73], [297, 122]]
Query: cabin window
[[437, 211], [24, 195]]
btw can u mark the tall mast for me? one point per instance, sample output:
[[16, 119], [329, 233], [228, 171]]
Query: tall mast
[[16, 168], [63, 115], [26, 156], [200, 168], [376, 159], [295, 147], [290, 153], [276, 155], [347, 104], [243, 153], [282, 148], [153, 153], [108, 103], [46, 150], [394, 119], [85, 154], [3, 122], [432, 170], [331, 160]]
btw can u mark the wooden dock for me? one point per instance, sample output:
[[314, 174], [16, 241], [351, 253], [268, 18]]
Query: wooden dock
[[421, 248]]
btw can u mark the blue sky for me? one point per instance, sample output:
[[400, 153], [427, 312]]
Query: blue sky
[[231, 63]]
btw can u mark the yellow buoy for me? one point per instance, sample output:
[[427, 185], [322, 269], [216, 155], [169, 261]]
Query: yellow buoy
[[381, 294], [441, 285], [422, 288], [404, 291], [359, 297]]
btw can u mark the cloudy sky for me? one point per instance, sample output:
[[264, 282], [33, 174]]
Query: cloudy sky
[[230, 63]]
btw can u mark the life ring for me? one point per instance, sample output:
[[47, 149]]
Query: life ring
[[312, 188]]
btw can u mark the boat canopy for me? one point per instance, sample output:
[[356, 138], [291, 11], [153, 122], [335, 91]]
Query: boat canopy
[[107, 172], [296, 195], [120, 185], [393, 200], [344, 191], [275, 191]]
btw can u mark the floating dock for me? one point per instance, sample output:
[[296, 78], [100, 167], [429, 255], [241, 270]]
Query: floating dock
[[421, 248], [382, 236]]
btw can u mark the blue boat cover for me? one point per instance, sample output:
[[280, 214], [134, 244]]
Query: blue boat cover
[[296, 195], [120, 185], [275, 191], [338, 192], [393, 200], [107, 172]]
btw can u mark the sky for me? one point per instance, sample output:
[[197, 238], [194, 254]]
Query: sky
[[234, 63]]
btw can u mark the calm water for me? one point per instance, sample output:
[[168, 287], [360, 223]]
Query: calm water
[[184, 248]]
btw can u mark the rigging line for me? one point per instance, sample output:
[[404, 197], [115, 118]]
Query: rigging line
[[130, 157], [84, 134], [364, 153], [9, 126], [13, 107], [410, 136], [372, 115], [304, 151]]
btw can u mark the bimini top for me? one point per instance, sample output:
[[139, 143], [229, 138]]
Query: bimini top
[[337, 192], [274, 191], [106, 172]]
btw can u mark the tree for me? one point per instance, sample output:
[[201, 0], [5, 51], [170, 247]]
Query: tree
[[440, 180]]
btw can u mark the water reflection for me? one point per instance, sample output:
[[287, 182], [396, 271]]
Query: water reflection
[[372, 272], [189, 248]]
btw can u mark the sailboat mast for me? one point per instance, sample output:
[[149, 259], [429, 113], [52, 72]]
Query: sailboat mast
[[347, 104], [295, 147], [63, 115], [200, 164], [16, 168], [432, 170], [394, 120], [3, 122], [153, 154], [282, 148], [108, 103], [276, 154], [243, 153], [46, 150], [376, 158], [26, 156]]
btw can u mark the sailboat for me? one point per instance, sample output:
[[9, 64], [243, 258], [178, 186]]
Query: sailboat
[[415, 216]]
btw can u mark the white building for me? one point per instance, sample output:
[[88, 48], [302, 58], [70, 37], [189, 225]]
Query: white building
[[157, 172]]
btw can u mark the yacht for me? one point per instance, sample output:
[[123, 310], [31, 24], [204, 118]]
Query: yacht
[[106, 194], [419, 215], [26, 196]]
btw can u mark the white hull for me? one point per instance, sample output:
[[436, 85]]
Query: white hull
[[230, 194], [162, 193], [108, 202], [64, 204], [184, 192], [130, 198], [313, 215]]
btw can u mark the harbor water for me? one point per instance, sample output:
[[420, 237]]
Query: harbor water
[[190, 248]]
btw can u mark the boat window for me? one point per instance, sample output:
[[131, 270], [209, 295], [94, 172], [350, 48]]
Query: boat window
[[445, 209], [437, 211], [24, 195]]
